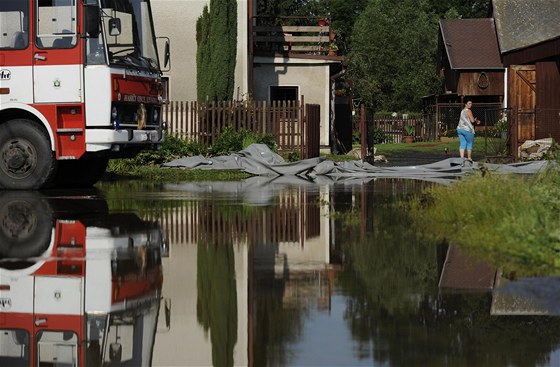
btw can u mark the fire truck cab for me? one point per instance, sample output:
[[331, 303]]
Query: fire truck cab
[[77, 290], [80, 83]]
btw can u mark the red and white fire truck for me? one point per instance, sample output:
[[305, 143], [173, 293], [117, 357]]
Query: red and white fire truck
[[81, 83], [77, 290]]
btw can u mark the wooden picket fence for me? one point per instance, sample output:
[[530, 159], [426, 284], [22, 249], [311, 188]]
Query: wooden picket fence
[[294, 125]]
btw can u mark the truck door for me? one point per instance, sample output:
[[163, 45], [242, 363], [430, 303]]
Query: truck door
[[58, 320], [57, 56]]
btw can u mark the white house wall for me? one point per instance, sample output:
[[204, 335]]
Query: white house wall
[[311, 78], [176, 19]]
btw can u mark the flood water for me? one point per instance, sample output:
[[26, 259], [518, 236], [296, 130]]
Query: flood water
[[255, 273]]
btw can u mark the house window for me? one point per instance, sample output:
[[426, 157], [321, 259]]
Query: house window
[[284, 93]]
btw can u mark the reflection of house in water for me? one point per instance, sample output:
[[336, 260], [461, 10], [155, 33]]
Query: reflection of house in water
[[282, 244], [462, 272]]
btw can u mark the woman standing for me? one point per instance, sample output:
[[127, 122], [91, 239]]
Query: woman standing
[[465, 130]]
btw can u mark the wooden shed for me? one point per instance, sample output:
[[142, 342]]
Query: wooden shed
[[469, 59], [470, 66], [529, 39]]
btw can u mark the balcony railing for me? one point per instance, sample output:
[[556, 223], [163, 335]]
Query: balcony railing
[[296, 35]]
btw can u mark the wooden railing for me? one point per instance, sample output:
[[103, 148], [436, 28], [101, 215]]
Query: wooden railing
[[294, 125], [394, 128], [308, 35]]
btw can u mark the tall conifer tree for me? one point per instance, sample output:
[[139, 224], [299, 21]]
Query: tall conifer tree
[[217, 50]]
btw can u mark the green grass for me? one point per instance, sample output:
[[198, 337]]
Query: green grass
[[437, 146], [521, 235], [118, 171]]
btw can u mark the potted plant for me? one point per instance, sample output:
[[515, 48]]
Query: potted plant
[[332, 48], [408, 131], [501, 128]]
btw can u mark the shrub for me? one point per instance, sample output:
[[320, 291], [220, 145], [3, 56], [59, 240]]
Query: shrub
[[450, 133], [379, 136], [174, 148], [293, 157], [231, 140], [356, 137]]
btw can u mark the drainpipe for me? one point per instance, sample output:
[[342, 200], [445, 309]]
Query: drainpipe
[[332, 131], [251, 62]]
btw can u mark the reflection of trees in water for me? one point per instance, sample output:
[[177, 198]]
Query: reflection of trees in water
[[397, 316], [217, 299]]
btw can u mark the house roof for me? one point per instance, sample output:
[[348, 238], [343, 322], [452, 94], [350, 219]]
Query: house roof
[[522, 23], [471, 43]]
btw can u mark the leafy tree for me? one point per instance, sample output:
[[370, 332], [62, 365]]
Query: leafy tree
[[392, 61], [217, 50], [463, 8], [281, 7]]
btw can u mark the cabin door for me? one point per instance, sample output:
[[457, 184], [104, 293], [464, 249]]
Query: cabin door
[[523, 98], [57, 58]]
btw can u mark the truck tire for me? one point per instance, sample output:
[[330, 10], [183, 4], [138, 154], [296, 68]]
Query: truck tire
[[80, 173], [27, 161], [26, 224]]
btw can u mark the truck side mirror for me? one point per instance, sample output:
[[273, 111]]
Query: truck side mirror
[[167, 56], [115, 26], [115, 352], [165, 47]]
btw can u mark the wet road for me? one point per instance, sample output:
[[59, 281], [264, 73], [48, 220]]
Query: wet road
[[255, 273]]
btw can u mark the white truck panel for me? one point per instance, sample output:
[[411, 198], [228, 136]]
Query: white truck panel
[[16, 299], [20, 81], [58, 84], [58, 295], [98, 285], [98, 100]]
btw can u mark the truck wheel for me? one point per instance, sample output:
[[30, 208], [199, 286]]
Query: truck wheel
[[25, 224], [27, 161], [80, 173]]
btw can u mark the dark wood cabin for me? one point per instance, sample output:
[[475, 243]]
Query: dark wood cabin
[[470, 66], [529, 39], [469, 59]]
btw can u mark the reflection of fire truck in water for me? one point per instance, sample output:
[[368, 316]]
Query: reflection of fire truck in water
[[77, 289], [80, 84]]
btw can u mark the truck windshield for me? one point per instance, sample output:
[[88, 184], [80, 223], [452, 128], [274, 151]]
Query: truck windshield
[[129, 33]]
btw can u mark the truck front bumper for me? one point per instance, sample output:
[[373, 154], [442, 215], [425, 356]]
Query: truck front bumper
[[97, 140]]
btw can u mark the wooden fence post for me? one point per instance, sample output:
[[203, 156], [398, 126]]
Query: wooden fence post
[[363, 131]]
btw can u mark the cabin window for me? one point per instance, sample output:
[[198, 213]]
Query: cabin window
[[283, 93], [14, 349], [56, 23], [57, 348], [14, 24]]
